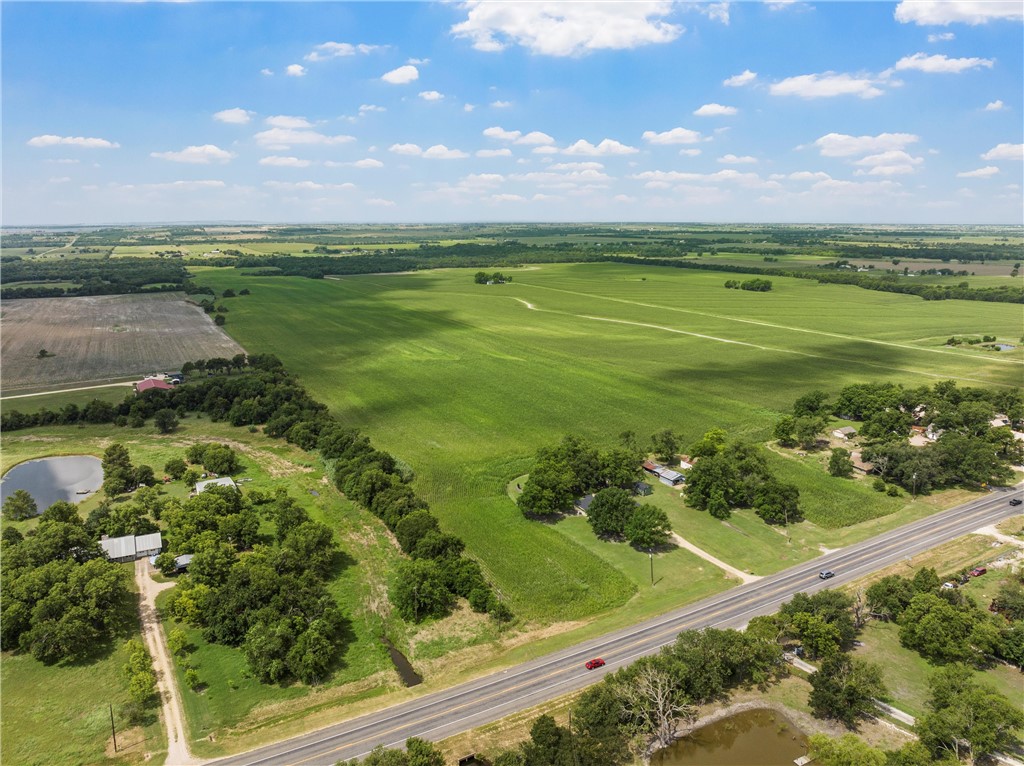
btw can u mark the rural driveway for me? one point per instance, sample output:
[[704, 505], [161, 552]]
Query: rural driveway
[[744, 577], [177, 744]]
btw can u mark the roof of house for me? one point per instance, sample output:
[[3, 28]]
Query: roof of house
[[151, 383], [119, 547], [223, 481], [650, 465], [845, 431], [150, 542], [584, 502], [183, 560], [669, 474]]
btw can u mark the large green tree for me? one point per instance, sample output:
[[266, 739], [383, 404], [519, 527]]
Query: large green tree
[[19, 505], [845, 688], [610, 511]]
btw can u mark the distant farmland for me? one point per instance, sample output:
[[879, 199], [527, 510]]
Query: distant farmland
[[102, 338]]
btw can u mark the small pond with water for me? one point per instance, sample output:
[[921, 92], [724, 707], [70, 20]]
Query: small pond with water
[[50, 479], [750, 738]]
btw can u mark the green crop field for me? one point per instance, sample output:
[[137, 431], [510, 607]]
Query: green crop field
[[464, 382]]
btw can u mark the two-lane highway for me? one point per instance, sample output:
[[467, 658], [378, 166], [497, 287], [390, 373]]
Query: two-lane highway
[[444, 713]]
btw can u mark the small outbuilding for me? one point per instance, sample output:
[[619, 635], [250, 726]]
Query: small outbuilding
[[643, 489], [669, 477], [223, 481], [686, 462], [846, 432], [152, 384], [651, 467]]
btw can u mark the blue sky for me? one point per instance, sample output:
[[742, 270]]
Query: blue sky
[[904, 112]]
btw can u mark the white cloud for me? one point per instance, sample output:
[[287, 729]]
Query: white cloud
[[477, 180], [1005, 152], [940, 63], [326, 51], [986, 172], [63, 161], [378, 202], [285, 162], [868, 192], [402, 75], [945, 12], [494, 153], [295, 70], [941, 37], [442, 152], [739, 80], [412, 150], [369, 162], [418, 61], [535, 138], [674, 136], [714, 11], [806, 175], [841, 145], [502, 134], [894, 162], [367, 108], [282, 138], [607, 146], [577, 166], [507, 198], [995, 106], [181, 185], [715, 110], [85, 143], [732, 159], [294, 186], [501, 104], [747, 180], [468, 107], [689, 152], [545, 150], [285, 121], [826, 85], [196, 155], [233, 116], [267, 72], [566, 29], [431, 95]]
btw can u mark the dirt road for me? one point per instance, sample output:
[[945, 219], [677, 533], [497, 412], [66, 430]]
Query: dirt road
[[177, 745]]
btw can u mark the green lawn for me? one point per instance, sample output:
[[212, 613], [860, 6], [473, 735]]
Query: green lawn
[[112, 394], [464, 382]]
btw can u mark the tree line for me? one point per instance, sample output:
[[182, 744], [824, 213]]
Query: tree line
[[96, 276]]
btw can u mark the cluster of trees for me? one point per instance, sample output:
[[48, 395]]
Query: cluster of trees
[[639, 708], [96, 276], [754, 285], [613, 513], [955, 341], [119, 475], [19, 505], [483, 278], [438, 572], [943, 625], [418, 752], [141, 680], [272, 602], [62, 599], [730, 475]]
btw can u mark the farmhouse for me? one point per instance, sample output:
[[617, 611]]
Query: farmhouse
[[151, 384], [224, 481], [129, 548], [669, 477], [583, 504], [846, 432]]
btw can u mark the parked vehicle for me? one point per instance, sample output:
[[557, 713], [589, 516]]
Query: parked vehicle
[[978, 571], [595, 663], [948, 585]]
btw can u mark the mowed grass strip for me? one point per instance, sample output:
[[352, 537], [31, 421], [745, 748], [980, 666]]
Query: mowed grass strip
[[464, 382]]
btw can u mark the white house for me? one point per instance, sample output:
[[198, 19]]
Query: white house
[[223, 481]]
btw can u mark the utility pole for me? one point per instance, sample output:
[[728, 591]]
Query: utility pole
[[650, 553], [915, 485], [113, 732]]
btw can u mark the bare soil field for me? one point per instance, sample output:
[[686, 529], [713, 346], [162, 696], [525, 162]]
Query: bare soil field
[[102, 338]]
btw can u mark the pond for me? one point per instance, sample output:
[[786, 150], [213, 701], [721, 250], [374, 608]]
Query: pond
[[51, 479], [761, 737]]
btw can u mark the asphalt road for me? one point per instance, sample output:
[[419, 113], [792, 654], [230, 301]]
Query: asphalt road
[[444, 713]]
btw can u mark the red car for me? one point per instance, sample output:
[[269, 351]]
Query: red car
[[978, 571], [595, 663]]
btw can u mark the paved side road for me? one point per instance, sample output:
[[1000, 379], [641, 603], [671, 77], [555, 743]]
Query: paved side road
[[174, 721]]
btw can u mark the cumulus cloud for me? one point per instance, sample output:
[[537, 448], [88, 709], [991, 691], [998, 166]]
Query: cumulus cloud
[[330, 50], [714, 11], [986, 172], [1005, 152], [411, 150], [367, 108], [501, 104], [747, 180], [501, 134], [807, 175], [402, 75], [369, 162], [841, 145], [689, 152], [507, 198], [282, 138], [267, 72], [894, 162], [431, 95], [826, 85], [285, 121], [285, 162], [468, 107], [295, 70], [607, 146], [739, 80], [566, 29], [674, 136], [715, 110], [545, 150], [442, 152], [944, 12], [294, 186], [379, 202], [995, 106], [732, 159], [940, 63], [577, 166], [196, 155], [85, 143], [941, 37], [233, 116], [494, 153], [535, 138]]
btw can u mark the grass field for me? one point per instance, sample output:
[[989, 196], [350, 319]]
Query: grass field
[[112, 394], [103, 338], [465, 381]]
